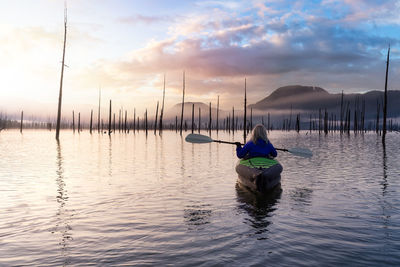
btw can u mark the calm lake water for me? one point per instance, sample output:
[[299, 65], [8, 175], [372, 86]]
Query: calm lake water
[[136, 200]]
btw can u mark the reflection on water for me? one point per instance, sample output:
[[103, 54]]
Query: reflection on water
[[301, 197], [134, 200], [385, 205], [384, 159], [63, 216], [259, 208], [109, 156], [197, 215]]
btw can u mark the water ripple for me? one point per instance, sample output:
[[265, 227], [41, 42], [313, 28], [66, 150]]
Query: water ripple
[[134, 199]]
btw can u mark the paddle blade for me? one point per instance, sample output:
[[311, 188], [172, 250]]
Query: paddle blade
[[198, 139], [302, 152]]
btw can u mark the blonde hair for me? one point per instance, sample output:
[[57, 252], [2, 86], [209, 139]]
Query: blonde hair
[[259, 132]]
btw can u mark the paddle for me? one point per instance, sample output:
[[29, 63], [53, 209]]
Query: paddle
[[202, 139]]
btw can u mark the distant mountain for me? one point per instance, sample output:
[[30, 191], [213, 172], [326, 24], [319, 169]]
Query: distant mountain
[[296, 90], [308, 99], [187, 111], [295, 99]]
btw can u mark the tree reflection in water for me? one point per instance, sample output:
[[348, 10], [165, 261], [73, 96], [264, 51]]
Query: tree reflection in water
[[386, 206], [259, 207], [197, 215], [63, 216]]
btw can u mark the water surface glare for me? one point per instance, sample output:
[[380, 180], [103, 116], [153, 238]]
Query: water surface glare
[[132, 199]]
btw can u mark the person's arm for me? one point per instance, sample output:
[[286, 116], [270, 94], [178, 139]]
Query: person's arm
[[242, 151], [273, 152]]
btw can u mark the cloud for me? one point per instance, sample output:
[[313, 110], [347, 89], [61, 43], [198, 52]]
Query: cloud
[[271, 46], [221, 4], [27, 38], [222, 53], [364, 11], [138, 19]]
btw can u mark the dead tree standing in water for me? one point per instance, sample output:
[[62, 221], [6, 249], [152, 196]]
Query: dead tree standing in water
[[162, 109], [192, 117], [244, 116], [217, 113], [73, 121], [22, 120], [183, 102], [385, 99], [155, 122], [91, 121], [109, 120], [209, 122], [61, 80]]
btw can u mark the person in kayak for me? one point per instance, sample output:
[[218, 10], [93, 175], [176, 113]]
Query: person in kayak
[[258, 146]]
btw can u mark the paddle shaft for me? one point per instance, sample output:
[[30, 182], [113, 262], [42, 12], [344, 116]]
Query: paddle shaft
[[233, 143]]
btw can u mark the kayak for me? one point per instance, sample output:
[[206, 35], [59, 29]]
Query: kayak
[[259, 174]]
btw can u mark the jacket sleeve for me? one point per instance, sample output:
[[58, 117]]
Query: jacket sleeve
[[273, 152], [242, 151]]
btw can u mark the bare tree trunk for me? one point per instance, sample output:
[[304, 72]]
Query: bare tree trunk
[[145, 121], [91, 121], [244, 116], [192, 118], [126, 121], [61, 80], [79, 122], [298, 123], [162, 108], [98, 114], [109, 120], [183, 101], [73, 121], [385, 99], [341, 114], [210, 120], [348, 118], [217, 113], [155, 121], [22, 121], [233, 120]]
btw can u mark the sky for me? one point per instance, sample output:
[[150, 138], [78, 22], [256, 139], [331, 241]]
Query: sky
[[124, 48]]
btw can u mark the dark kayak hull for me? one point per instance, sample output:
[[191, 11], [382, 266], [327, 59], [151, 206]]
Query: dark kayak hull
[[259, 179]]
